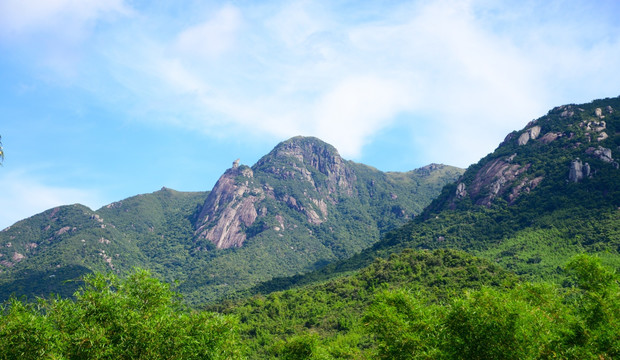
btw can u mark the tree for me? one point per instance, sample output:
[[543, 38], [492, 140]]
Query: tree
[[110, 318]]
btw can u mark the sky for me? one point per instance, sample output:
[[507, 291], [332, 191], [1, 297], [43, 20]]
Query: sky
[[105, 99]]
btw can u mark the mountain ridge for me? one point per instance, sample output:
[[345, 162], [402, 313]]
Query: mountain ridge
[[525, 205], [293, 211]]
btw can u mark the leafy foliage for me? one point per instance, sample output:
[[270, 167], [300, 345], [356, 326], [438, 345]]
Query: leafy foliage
[[326, 318], [437, 305], [134, 318]]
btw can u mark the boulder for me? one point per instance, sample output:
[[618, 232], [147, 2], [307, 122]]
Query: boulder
[[601, 153], [575, 173], [598, 112], [524, 138], [531, 133], [461, 191], [549, 137], [534, 132]]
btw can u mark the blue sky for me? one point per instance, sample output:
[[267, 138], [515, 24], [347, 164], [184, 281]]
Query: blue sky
[[105, 99]]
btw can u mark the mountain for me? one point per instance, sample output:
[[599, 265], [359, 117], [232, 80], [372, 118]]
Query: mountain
[[47, 252], [529, 210], [298, 208], [548, 192]]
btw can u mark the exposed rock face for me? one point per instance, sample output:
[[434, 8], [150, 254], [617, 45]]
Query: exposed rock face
[[534, 132], [232, 205], [586, 170], [550, 137], [495, 178], [300, 184], [601, 153], [523, 139], [531, 133], [567, 111], [461, 191], [227, 207], [599, 113], [17, 257], [305, 154], [602, 136], [575, 173], [525, 186]]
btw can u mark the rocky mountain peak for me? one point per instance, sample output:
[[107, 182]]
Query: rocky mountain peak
[[571, 142], [235, 202], [308, 151], [310, 159], [302, 186]]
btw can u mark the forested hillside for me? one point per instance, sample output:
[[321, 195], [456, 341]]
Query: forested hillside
[[300, 207], [528, 206], [417, 305]]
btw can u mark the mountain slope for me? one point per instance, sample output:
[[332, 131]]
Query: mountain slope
[[547, 192], [298, 208], [41, 253]]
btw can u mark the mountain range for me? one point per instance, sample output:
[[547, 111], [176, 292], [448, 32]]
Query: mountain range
[[298, 208], [308, 256]]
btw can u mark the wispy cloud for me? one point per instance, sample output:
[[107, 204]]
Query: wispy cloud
[[52, 32], [462, 73], [18, 17], [211, 38]]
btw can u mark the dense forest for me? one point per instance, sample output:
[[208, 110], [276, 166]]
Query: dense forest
[[417, 305]]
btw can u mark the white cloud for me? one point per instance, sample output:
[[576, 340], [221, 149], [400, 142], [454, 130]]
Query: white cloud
[[53, 33], [463, 73], [212, 38], [356, 108], [23, 195], [19, 17], [301, 70], [296, 22]]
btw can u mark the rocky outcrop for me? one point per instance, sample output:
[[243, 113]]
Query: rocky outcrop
[[601, 153], [525, 186], [595, 128], [229, 205], [302, 157], [550, 137], [531, 133], [598, 112], [494, 178], [232, 205], [461, 191], [301, 183], [575, 174]]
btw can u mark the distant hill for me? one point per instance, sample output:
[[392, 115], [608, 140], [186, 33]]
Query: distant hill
[[298, 208]]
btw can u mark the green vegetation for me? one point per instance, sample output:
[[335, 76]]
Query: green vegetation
[[134, 318], [533, 234], [443, 304], [156, 231], [40, 254]]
